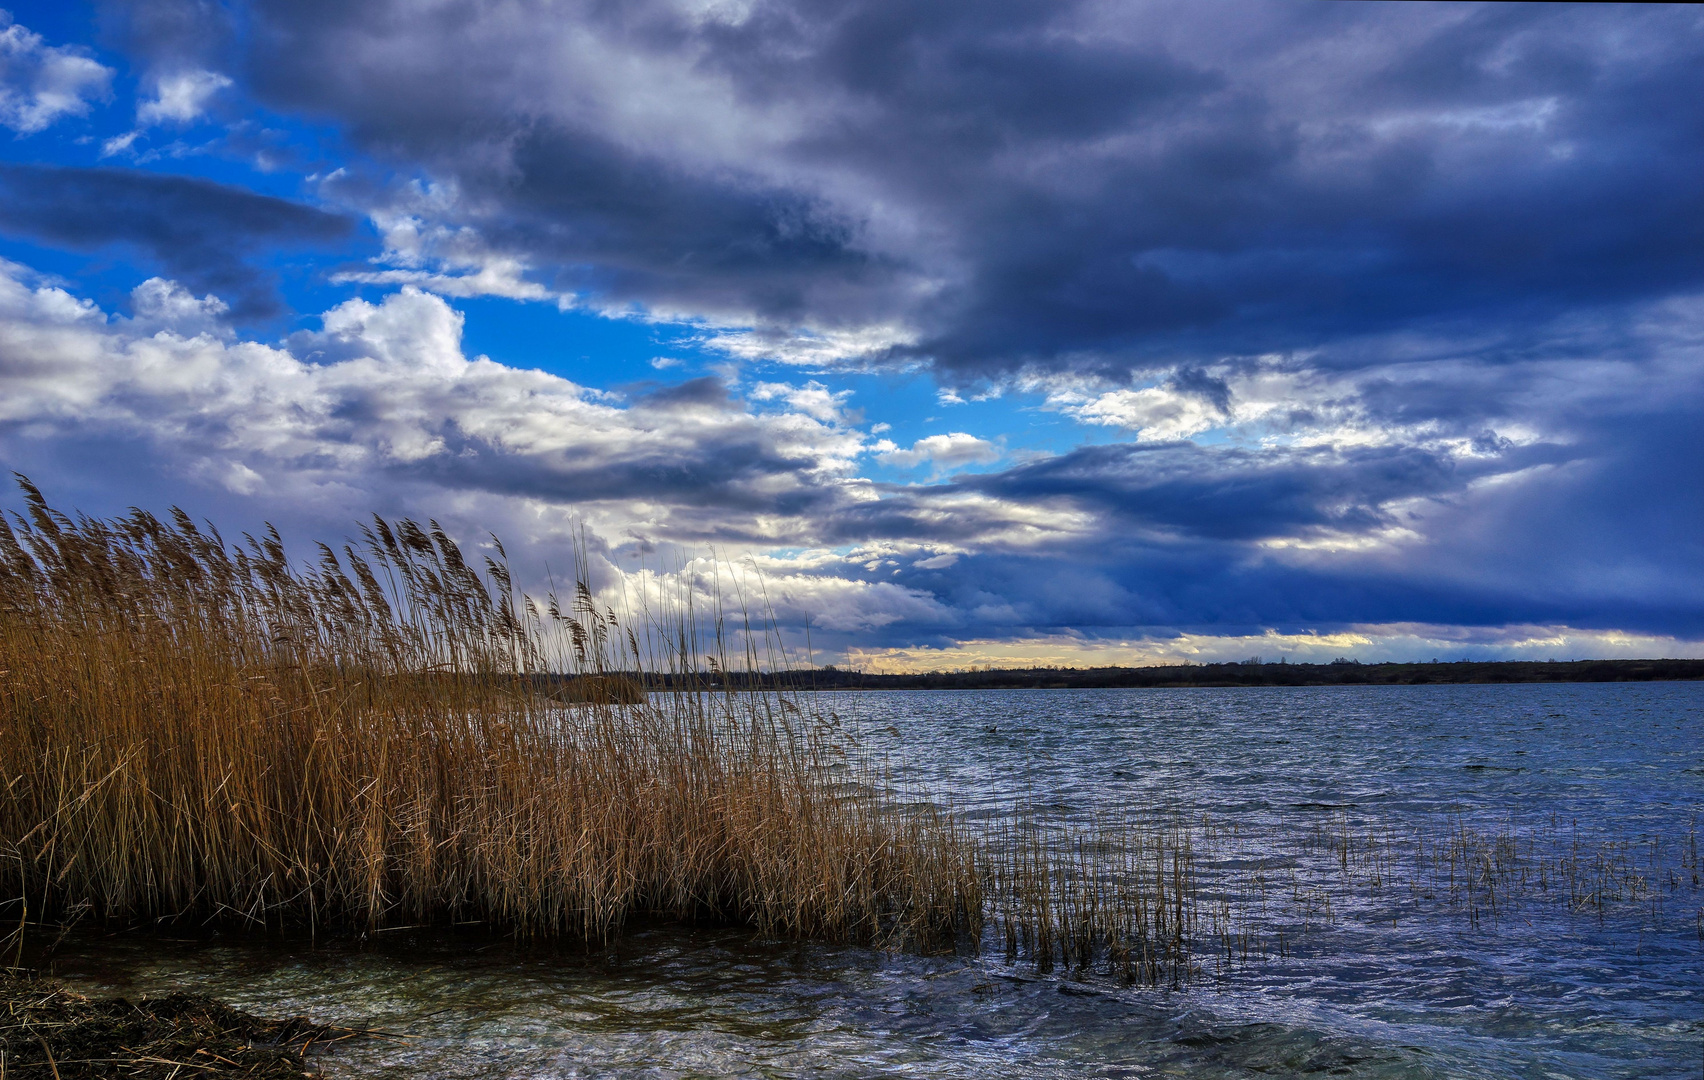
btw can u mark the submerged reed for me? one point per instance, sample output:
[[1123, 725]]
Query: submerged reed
[[1120, 894], [1495, 869], [1159, 900], [196, 730]]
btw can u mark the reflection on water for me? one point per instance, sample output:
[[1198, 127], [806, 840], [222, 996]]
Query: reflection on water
[[1425, 995]]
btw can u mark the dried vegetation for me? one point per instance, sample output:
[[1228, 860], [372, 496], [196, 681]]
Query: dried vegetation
[[192, 730], [203, 732], [49, 1031]]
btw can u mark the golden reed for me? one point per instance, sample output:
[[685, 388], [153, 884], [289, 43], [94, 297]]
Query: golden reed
[[197, 730]]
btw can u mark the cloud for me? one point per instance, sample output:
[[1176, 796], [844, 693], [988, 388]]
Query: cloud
[[1369, 644], [946, 452], [420, 250], [792, 592], [41, 83], [1370, 315], [1153, 412], [164, 305], [813, 399], [180, 97], [378, 408], [199, 231], [1105, 192], [381, 398], [119, 144], [1186, 491]]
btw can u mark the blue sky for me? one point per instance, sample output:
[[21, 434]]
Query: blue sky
[[984, 333]]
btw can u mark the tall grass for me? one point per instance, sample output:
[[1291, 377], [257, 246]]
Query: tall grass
[[192, 729]]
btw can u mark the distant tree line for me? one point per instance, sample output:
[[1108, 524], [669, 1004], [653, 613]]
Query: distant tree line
[[1340, 672]]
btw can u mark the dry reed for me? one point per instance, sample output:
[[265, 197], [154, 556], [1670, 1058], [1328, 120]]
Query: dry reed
[[50, 1031], [196, 730]]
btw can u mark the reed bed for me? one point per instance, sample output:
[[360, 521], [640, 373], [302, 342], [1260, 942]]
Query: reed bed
[[206, 732], [194, 730], [1159, 900]]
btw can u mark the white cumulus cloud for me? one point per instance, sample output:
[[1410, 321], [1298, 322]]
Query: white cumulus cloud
[[181, 97], [950, 451], [813, 399], [40, 83], [449, 261], [383, 395], [165, 306], [1154, 413]]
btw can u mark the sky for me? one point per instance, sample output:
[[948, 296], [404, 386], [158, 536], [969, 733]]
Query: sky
[[947, 335]]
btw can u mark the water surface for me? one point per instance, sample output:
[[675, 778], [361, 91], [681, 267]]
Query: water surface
[[1391, 985]]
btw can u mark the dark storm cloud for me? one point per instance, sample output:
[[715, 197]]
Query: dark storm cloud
[[613, 225], [168, 34], [712, 490], [1190, 492], [1186, 496], [1598, 540], [1220, 589], [198, 231], [1599, 533], [1083, 188], [1443, 240]]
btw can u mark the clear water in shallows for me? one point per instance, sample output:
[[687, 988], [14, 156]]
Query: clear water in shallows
[[1415, 990]]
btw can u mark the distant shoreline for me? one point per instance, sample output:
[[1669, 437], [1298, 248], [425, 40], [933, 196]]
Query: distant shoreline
[[1235, 674]]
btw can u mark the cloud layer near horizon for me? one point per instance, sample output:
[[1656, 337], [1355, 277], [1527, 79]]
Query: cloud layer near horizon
[[380, 410]]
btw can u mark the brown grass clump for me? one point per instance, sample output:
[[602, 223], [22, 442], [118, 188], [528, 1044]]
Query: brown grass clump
[[49, 1031], [191, 729]]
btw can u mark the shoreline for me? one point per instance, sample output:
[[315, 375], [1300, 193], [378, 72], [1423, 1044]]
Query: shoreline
[[50, 1029]]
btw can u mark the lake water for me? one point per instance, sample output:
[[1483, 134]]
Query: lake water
[[1385, 982]]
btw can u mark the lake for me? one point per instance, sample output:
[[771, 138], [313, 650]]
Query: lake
[[1387, 968]]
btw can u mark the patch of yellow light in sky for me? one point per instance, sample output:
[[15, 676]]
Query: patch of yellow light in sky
[[1369, 644]]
